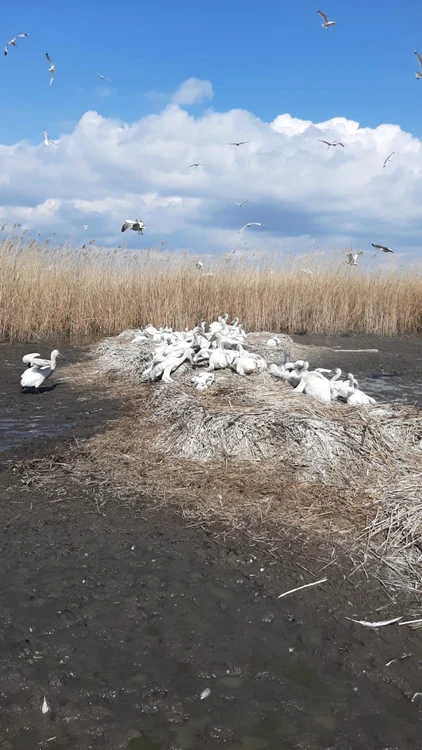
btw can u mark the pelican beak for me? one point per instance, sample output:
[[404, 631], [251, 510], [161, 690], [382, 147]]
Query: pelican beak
[[60, 356]]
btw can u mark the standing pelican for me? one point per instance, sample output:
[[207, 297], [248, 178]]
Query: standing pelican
[[35, 376]]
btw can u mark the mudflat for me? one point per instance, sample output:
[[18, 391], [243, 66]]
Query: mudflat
[[122, 616]]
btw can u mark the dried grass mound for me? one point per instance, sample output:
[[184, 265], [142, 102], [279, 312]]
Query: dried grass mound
[[371, 455]]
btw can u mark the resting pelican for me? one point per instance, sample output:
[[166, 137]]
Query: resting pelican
[[342, 388], [34, 377], [203, 381], [220, 324], [247, 363], [357, 397], [314, 384], [169, 365]]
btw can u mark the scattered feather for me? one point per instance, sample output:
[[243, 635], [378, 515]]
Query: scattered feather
[[379, 624], [205, 693], [306, 586]]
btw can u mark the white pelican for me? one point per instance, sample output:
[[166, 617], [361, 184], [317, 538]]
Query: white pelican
[[342, 388], [329, 144], [199, 264], [352, 259], [246, 364], [326, 23], [34, 360], [419, 58], [51, 69], [251, 224], [137, 225], [220, 324], [12, 42], [315, 385], [103, 78], [242, 203], [390, 155], [359, 398], [48, 141], [170, 364], [383, 248], [34, 377]]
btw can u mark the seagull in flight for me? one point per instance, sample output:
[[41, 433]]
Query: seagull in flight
[[327, 23], [388, 158], [51, 69], [352, 260], [86, 226], [239, 204], [251, 224], [48, 141], [12, 42], [419, 73], [196, 164], [103, 78], [331, 143], [199, 264], [383, 248], [238, 143], [137, 225]]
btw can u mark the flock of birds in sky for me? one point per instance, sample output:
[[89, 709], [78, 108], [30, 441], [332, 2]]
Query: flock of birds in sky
[[138, 225]]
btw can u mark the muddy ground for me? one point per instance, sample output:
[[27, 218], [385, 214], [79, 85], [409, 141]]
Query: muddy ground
[[122, 616]]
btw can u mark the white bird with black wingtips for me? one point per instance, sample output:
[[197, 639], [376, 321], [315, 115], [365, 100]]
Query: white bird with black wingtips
[[419, 58], [240, 204], [12, 42], [48, 141], [51, 69], [352, 259], [137, 225], [383, 248], [103, 78], [251, 224], [327, 23]]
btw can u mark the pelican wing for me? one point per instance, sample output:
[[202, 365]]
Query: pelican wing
[[326, 142], [127, 225], [6, 49], [27, 358], [419, 57], [359, 253], [323, 16], [48, 58], [388, 158]]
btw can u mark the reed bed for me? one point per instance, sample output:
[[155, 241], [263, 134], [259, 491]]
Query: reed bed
[[71, 292]]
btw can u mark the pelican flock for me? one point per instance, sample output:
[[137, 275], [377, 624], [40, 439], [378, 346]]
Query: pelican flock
[[222, 346]]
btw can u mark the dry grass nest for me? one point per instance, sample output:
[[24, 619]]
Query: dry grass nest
[[251, 454]]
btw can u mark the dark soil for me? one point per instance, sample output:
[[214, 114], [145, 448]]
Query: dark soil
[[122, 617]]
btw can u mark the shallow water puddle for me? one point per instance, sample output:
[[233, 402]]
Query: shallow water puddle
[[142, 743], [299, 674], [186, 734]]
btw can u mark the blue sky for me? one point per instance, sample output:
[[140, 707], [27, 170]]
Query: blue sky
[[263, 60], [268, 58]]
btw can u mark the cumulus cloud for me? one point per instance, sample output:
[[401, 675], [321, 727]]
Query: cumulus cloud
[[192, 91], [309, 198]]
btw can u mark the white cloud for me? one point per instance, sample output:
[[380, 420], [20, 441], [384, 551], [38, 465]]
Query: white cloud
[[192, 91], [308, 197]]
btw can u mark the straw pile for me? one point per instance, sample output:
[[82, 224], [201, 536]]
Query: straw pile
[[365, 460]]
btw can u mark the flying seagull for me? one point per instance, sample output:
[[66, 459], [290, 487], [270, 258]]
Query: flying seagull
[[196, 164], [137, 225], [51, 69], [352, 260], [86, 226], [199, 264], [326, 23], [419, 73], [383, 248], [240, 204], [388, 158], [48, 141], [103, 78], [12, 42], [251, 224], [239, 143], [331, 143]]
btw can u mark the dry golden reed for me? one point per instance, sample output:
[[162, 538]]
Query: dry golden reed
[[71, 292]]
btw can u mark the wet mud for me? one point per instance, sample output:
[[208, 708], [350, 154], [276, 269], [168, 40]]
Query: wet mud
[[142, 633]]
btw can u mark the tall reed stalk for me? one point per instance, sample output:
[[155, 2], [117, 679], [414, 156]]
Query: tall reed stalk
[[70, 292]]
